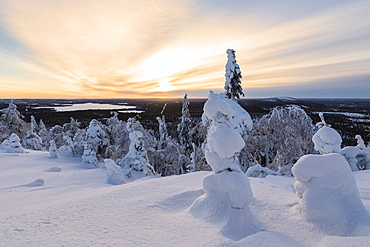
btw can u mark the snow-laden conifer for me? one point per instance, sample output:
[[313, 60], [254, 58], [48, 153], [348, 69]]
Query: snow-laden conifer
[[227, 190], [232, 77], [11, 122]]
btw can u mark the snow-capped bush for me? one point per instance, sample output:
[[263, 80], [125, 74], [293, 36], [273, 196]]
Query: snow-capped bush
[[227, 190], [258, 171], [14, 145], [115, 175], [328, 194]]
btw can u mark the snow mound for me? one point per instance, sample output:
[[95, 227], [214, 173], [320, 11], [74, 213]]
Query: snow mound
[[37, 182], [115, 175], [328, 194], [54, 169], [258, 171]]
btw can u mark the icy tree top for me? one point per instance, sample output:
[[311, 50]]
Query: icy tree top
[[360, 142], [232, 77]]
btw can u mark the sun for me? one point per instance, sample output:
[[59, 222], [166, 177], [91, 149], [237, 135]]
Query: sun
[[164, 85]]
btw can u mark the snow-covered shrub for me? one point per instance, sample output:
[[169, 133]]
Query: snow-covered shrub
[[56, 133], [227, 190], [53, 149], [279, 138], [115, 175], [233, 75], [14, 145], [326, 140], [258, 171], [328, 194]]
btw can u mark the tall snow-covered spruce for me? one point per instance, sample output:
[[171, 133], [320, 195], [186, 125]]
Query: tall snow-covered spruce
[[227, 190], [233, 75]]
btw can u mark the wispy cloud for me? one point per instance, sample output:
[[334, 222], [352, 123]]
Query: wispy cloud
[[131, 48]]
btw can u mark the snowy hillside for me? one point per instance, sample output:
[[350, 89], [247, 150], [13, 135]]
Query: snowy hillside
[[76, 207]]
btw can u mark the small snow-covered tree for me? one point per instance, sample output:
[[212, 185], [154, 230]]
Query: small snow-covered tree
[[89, 159], [280, 138], [184, 127], [358, 157], [96, 137], [72, 127], [163, 134], [53, 149], [136, 158], [32, 141], [227, 190], [118, 137], [233, 75], [326, 140], [34, 126], [14, 145]]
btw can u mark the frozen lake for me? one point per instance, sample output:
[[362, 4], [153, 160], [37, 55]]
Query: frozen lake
[[93, 106]]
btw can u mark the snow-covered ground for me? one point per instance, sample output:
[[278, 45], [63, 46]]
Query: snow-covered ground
[[76, 207]]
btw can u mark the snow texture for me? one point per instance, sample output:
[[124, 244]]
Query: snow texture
[[258, 171], [115, 175], [328, 194], [78, 208]]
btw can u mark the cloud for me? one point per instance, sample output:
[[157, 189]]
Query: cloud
[[128, 48]]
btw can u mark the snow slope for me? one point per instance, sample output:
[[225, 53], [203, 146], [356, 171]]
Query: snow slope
[[76, 207]]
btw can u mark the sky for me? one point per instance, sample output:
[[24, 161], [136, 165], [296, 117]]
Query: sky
[[166, 48]]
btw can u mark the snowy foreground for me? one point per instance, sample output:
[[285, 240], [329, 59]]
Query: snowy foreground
[[76, 207]]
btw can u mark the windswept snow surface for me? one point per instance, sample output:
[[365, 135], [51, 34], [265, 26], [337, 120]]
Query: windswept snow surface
[[76, 207]]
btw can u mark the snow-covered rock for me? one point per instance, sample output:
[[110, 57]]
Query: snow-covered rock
[[37, 182], [115, 175], [328, 194]]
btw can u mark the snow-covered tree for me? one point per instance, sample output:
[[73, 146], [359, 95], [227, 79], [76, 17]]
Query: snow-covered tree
[[56, 133], [11, 122], [89, 159], [96, 136], [32, 141], [136, 158], [34, 126], [280, 138], [72, 127], [227, 190], [118, 137], [115, 175], [53, 149], [233, 75], [163, 134], [184, 127]]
